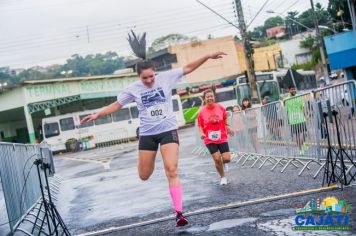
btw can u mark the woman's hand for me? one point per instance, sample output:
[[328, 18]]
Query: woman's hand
[[230, 131], [89, 118], [217, 55], [202, 136]]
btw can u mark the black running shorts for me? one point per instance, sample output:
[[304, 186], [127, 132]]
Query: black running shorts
[[151, 142], [221, 147]]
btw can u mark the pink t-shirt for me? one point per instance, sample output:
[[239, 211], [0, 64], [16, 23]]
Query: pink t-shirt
[[212, 120]]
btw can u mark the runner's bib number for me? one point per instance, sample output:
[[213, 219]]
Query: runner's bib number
[[214, 135], [157, 112]]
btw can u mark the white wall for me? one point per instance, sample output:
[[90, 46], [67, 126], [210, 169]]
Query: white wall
[[291, 48], [11, 99]]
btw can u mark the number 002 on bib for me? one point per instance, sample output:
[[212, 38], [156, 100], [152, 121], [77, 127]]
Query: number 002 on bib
[[157, 112]]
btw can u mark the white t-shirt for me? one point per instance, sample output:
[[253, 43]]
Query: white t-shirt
[[154, 104]]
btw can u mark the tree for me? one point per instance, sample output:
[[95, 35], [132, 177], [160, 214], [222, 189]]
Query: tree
[[322, 14], [6, 76], [98, 64], [311, 44], [31, 74], [258, 33], [306, 18], [170, 39], [273, 21], [339, 14], [291, 26]]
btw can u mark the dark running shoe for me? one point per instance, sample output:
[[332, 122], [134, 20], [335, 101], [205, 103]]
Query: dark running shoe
[[181, 221]]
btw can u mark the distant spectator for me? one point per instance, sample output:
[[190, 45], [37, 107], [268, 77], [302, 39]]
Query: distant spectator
[[295, 111], [270, 112], [265, 100], [15, 140], [251, 120], [238, 127]]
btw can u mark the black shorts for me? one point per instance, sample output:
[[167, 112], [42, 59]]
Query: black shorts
[[221, 147], [298, 128], [151, 142]]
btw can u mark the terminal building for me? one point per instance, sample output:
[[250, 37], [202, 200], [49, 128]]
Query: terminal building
[[23, 107]]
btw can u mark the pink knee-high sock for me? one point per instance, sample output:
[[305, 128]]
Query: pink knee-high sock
[[176, 195]]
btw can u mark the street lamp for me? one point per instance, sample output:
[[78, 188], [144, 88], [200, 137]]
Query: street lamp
[[297, 22], [327, 28]]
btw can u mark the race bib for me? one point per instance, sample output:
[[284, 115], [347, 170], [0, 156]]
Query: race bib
[[157, 112], [214, 135]]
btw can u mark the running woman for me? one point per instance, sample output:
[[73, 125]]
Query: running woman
[[158, 125], [212, 122]]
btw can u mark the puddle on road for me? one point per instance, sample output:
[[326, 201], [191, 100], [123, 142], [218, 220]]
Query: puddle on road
[[190, 230], [225, 224]]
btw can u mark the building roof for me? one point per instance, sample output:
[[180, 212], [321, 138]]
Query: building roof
[[79, 78], [341, 48]]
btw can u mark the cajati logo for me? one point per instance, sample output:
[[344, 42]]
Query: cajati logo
[[327, 214]]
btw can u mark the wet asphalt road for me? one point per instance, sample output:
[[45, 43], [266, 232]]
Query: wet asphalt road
[[96, 195]]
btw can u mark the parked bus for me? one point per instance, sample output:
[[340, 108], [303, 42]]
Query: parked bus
[[59, 129], [275, 83], [225, 96]]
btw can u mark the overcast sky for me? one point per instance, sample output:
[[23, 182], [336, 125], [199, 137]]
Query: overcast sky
[[43, 32]]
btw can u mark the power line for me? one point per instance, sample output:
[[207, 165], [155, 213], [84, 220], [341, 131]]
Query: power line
[[217, 14], [292, 5], [259, 11], [274, 4], [64, 57], [94, 36], [125, 28], [98, 37], [116, 26]]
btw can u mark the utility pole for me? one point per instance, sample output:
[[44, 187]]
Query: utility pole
[[88, 34], [320, 43], [352, 4], [247, 52]]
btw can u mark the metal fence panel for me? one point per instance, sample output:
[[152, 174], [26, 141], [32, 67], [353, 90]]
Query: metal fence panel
[[336, 109], [19, 178], [295, 127]]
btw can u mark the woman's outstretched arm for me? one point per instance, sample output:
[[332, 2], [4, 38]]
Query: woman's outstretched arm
[[195, 64], [113, 107]]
